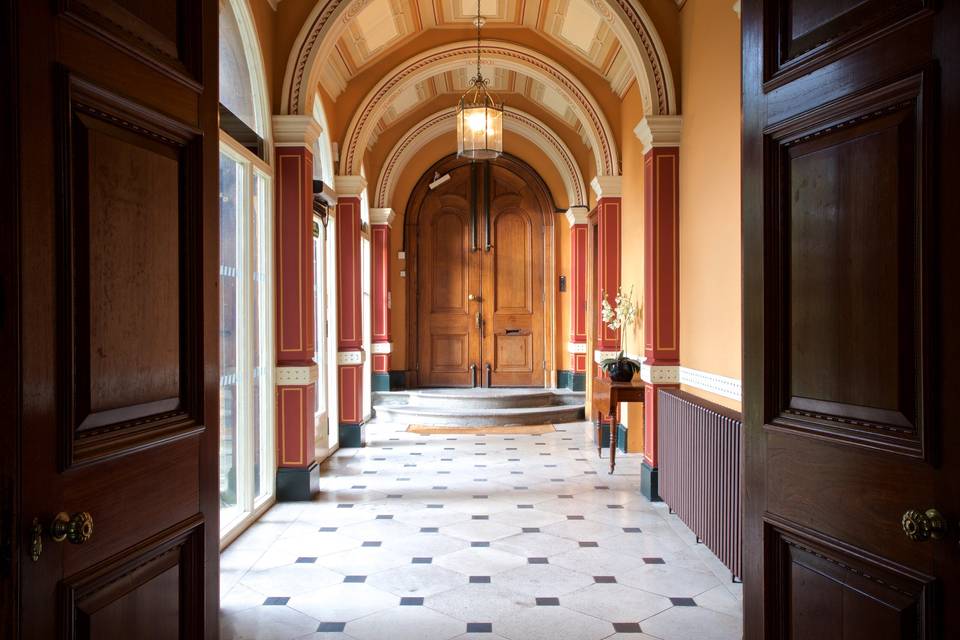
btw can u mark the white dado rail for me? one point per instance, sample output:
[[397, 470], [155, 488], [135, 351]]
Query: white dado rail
[[705, 381]]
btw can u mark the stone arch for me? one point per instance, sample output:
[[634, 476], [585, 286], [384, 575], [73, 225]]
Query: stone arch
[[519, 122]]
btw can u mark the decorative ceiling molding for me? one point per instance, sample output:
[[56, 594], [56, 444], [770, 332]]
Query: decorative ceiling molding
[[330, 19], [503, 54], [444, 122]]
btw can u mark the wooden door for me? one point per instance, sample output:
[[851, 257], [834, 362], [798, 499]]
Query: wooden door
[[851, 320], [513, 292], [449, 278], [117, 332], [479, 281]]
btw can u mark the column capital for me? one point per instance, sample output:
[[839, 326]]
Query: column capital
[[348, 186], [382, 215], [577, 215], [659, 131], [295, 131], [607, 186]]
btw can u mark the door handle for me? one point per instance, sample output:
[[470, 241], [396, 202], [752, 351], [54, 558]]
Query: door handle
[[473, 298], [921, 526], [489, 374], [75, 529], [473, 375]]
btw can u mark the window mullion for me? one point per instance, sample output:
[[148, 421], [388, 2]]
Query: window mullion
[[245, 473]]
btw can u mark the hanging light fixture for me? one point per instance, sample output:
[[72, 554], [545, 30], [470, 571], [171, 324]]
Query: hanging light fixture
[[479, 116]]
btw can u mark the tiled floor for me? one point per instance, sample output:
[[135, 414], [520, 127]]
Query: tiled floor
[[475, 537]]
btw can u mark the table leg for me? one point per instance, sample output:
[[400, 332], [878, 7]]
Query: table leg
[[598, 433], [614, 420]]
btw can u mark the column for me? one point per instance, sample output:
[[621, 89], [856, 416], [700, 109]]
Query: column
[[296, 375], [577, 347], [660, 136], [350, 355], [607, 212], [381, 220]]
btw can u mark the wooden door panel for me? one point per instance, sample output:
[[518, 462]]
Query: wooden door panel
[[512, 263], [128, 313], [151, 592], [853, 209], [513, 353], [807, 35], [164, 34], [824, 589], [448, 338]]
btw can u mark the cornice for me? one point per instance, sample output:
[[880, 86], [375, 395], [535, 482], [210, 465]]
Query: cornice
[[659, 131], [607, 186], [382, 215], [295, 131], [348, 186]]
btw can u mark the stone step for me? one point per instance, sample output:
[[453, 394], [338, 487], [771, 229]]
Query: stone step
[[489, 398], [472, 416]]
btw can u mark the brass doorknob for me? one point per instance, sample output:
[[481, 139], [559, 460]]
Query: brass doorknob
[[921, 526], [75, 529], [471, 297]]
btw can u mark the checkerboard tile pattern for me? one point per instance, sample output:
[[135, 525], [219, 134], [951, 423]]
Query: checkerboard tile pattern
[[553, 549]]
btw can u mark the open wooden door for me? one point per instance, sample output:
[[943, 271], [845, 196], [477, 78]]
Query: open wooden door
[[851, 319], [116, 332]]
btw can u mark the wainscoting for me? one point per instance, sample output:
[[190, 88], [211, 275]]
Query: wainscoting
[[699, 453]]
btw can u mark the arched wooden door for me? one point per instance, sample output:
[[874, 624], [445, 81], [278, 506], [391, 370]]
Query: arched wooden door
[[480, 297]]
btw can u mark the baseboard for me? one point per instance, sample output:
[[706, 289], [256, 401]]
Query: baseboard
[[649, 482], [297, 484], [579, 382], [352, 436], [564, 379], [380, 382]]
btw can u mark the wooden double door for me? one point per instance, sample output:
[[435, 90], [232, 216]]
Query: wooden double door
[[480, 278]]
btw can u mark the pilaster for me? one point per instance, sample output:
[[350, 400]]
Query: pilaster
[[350, 355], [660, 136], [296, 374], [381, 221]]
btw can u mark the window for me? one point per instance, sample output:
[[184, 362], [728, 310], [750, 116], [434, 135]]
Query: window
[[246, 353], [366, 266], [247, 408]]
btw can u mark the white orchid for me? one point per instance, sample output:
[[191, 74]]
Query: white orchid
[[622, 316]]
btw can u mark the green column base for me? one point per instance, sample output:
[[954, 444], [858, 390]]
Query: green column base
[[649, 482], [352, 436]]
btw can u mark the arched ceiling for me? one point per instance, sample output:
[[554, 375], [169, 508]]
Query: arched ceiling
[[453, 58], [383, 26]]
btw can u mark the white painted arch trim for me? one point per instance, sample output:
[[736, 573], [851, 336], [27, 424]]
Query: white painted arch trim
[[505, 55], [515, 121], [329, 20]]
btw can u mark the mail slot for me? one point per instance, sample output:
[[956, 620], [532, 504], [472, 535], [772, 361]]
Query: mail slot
[[512, 332]]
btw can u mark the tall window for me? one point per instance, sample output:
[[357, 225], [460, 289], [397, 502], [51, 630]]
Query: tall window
[[247, 414]]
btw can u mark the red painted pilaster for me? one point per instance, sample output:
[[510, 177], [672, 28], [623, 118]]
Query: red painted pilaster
[[608, 263], [661, 283], [349, 309], [294, 307], [578, 288], [380, 222]]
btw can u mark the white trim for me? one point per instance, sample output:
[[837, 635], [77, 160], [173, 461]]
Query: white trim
[[660, 374], [577, 215], [348, 186], [255, 65], [600, 356], [297, 376], [576, 347], [607, 186], [381, 347], [659, 131], [351, 357], [736, 8], [721, 385], [382, 215], [296, 131]]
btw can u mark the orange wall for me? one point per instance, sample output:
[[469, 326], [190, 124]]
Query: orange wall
[[710, 191]]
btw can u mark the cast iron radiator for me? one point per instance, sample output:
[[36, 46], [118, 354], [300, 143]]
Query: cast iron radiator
[[699, 460]]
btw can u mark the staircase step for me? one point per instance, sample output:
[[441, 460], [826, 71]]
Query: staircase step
[[472, 416], [485, 399]]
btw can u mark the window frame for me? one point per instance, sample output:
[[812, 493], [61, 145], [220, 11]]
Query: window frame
[[252, 506]]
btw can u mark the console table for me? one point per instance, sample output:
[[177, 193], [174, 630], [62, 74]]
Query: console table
[[606, 399]]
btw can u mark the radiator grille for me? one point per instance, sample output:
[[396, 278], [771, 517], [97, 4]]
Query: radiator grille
[[699, 460]]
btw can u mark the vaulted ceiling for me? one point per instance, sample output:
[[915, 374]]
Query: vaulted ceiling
[[384, 25]]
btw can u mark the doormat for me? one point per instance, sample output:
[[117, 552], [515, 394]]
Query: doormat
[[491, 430]]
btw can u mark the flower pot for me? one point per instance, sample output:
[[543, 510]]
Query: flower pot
[[620, 372]]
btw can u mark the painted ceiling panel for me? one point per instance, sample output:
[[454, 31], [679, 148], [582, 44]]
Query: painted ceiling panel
[[384, 25]]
